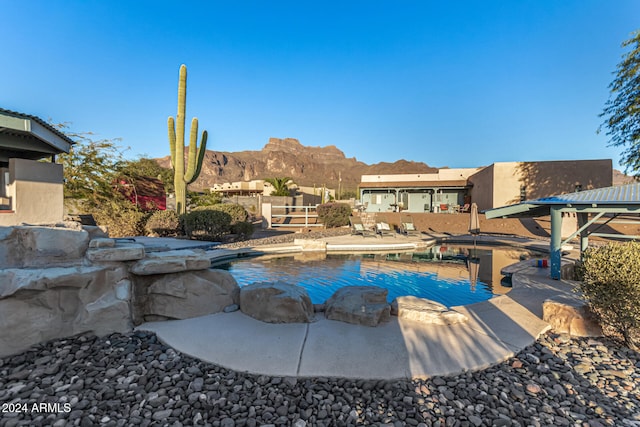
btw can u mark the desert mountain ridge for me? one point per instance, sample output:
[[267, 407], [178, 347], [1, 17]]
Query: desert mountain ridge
[[307, 166]]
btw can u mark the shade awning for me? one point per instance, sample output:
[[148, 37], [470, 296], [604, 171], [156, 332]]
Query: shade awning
[[29, 137]]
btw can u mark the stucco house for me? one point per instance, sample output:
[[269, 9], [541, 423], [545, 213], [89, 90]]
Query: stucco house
[[31, 189], [500, 184]]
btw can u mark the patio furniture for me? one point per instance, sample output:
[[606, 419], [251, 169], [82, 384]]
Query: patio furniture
[[407, 226], [358, 228], [383, 229]]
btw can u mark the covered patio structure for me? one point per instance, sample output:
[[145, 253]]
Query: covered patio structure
[[30, 189], [589, 207]]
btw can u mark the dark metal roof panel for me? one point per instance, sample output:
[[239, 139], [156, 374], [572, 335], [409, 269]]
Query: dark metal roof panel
[[620, 194], [39, 121]]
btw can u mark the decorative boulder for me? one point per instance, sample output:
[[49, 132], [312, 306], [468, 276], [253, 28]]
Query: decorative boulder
[[171, 262], [360, 305], [276, 303], [426, 311], [572, 316], [183, 295], [36, 246], [108, 250], [38, 305]]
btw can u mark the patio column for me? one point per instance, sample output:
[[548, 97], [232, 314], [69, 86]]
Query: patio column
[[584, 235], [556, 242]]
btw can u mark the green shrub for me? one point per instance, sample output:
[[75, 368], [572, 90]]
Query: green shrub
[[237, 212], [243, 229], [163, 223], [334, 214], [611, 286], [206, 224], [121, 221]]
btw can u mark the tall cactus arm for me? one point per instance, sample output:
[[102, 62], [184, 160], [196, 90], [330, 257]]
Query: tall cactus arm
[[191, 155], [201, 152], [196, 154], [172, 140]]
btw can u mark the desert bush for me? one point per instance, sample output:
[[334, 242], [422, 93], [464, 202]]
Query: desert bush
[[243, 229], [206, 224], [611, 286], [121, 220], [334, 214], [237, 212], [163, 223]]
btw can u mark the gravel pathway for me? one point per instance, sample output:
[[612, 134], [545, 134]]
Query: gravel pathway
[[133, 379]]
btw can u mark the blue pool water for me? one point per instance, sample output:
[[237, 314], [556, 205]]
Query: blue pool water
[[449, 275]]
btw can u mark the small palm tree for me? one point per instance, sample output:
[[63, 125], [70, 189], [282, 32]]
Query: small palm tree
[[280, 186]]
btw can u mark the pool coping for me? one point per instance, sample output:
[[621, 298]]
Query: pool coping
[[497, 329]]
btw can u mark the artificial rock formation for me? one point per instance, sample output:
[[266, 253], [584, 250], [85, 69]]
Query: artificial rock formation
[[27, 246], [572, 316], [276, 303], [360, 305], [425, 311], [38, 305], [171, 262], [183, 295], [55, 283]]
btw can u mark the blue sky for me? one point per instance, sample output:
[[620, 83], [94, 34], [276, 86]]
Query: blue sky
[[448, 83]]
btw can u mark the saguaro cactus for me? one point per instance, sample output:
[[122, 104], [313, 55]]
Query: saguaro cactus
[[182, 178]]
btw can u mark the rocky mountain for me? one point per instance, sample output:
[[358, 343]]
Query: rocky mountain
[[307, 166], [619, 178]]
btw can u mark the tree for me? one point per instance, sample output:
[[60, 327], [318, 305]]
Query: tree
[[622, 110], [90, 168], [145, 167], [280, 186]]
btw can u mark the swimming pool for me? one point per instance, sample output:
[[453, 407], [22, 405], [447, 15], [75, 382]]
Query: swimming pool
[[450, 275]]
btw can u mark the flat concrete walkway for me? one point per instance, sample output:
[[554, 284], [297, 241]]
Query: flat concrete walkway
[[497, 329]]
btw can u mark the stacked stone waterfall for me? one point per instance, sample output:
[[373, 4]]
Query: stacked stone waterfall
[[58, 282]]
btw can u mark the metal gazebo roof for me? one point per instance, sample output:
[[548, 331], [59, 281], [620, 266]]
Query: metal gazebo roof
[[622, 199], [618, 199]]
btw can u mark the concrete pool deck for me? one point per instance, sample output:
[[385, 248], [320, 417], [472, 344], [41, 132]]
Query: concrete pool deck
[[497, 329]]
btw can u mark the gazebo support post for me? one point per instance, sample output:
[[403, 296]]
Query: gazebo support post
[[556, 242], [583, 218]]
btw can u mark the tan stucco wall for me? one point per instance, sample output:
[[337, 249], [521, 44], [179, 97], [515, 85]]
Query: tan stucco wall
[[561, 177], [499, 184], [482, 190], [36, 193]]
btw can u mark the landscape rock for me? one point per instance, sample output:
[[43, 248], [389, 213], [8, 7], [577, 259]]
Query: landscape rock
[[360, 305], [128, 379], [102, 242], [119, 252], [36, 246], [172, 262], [37, 305], [184, 295], [572, 316], [276, 302], [425, 311]]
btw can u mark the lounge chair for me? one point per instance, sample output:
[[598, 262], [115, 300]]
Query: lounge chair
[[407, 226], [383, 229], [358, 228]]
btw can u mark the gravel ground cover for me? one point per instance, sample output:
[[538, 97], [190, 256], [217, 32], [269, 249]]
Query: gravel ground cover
[[133, 379]]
